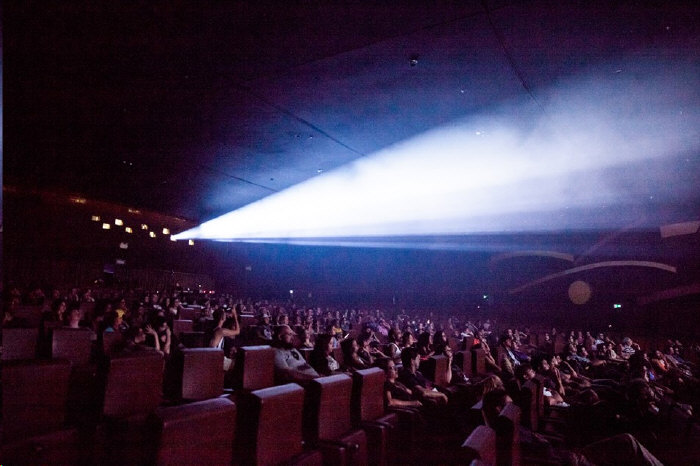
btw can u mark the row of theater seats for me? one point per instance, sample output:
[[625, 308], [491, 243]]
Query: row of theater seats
[[337, 419]]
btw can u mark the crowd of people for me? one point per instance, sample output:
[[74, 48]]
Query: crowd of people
[[630, 388]]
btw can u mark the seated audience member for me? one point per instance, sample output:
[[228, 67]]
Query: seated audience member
[[506, 358], [407, 340], [393, 348], [396, 394], [321, 357], [351, 358], [264, 330], [412, 378], [367, 351], [305, 339], [440, 342], [525, 372], [290, 365], [135, 340], [425, 345], [226, 327]]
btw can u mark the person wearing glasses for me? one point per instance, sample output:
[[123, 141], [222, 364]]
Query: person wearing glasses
[[290, 365]]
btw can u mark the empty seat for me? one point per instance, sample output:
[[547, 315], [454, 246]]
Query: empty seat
[[255, 367], [133, 389], [481, 445], [196, 433], [133, 384], [182, 325], [34, 395], [327, 421], [19, 343], [73, 344], [187, 313], [198, 373], [269, 430], [193, 339]]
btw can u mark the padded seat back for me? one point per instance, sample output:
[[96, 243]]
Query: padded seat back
[[481, 445], [19, 343], [133, 384], [73, 344], [327, 408], [528, 405], [463, 359], [269, 427], [255, 367], [507, 436], [193, 339], [367, 394], [195, 433], [478, 361], [202, 373], [182, 325], [34, 395], [188, 313]]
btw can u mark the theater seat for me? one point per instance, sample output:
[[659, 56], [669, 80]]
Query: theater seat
[[34, 395], [133, 389], [73, 344], [19, 343], [367, 411], [507, 436], [180, 326], [327, 421], [197, 373], [195, 433], [463, 359], [480, 446], [254, 368], [269, 428]]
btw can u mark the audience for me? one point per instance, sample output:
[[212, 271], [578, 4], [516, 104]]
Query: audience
[[636, 386]]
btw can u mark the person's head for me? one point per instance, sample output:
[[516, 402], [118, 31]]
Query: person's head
[[284, 336], [524, 372], [324, 343], [407, 339], [363, 341], [73, 317], [349, 347], [389, 369], [410, 359], [425, 340], [506, 341], [135, 335], [491, 383], [493, 402], [393, 335]]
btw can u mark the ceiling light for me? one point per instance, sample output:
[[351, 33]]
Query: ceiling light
[[128, 230], [166, 231], [172, 238], [106, 226], [152, 234], [144, 226], [191, 242], [118, 222], [95, 218]]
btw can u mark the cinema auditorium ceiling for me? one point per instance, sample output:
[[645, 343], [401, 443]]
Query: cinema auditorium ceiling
[[534, 132]]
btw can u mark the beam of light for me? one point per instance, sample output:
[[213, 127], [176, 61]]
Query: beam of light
[[601, 154], [597, 265]]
